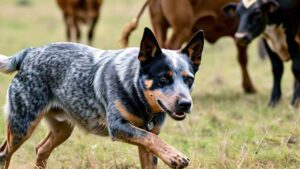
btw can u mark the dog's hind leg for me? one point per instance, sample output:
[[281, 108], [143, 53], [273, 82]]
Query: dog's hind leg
[[14, 141], [42, 142], [26, 103], [3, 145], [59, 132], [2, 150]]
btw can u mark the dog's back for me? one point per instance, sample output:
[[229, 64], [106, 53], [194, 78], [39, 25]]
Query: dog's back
[[66, 76]]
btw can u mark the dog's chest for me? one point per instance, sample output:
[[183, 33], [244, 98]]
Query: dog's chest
[[97, 126]]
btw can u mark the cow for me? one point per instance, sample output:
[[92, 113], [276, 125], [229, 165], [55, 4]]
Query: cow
[[80, 11], [190, 16], [277, 21]]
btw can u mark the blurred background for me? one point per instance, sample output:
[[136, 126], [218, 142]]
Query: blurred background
[[227, 128]]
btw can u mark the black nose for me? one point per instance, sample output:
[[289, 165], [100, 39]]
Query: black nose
[[184, 104]]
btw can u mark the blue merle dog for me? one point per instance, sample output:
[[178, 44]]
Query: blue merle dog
[[124, 94]]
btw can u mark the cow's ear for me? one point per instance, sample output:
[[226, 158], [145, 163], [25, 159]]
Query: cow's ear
[[230, 9], [194, 48], [270, 5], [149, 48]]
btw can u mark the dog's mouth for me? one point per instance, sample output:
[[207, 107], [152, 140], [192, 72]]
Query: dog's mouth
[[175, 115]]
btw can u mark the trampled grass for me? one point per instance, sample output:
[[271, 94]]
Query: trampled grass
[[227, 128]]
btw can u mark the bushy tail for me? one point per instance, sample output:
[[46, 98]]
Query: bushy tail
[[13, 63], [131, 26]]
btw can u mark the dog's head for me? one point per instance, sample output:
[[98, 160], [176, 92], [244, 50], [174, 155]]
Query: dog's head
[[167, 76]]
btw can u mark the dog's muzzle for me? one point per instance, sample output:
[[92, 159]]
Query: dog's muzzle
[[175, 115]]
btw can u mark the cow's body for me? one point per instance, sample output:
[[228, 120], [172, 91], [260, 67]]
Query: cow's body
[[187, 16], [278, 20], [80, 11]]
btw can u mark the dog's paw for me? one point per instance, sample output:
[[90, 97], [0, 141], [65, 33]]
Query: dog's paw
[[175, 159], [179, 162]]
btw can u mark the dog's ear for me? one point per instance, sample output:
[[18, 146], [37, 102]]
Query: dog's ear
[[230, 9], [149, 48], [194, 49]]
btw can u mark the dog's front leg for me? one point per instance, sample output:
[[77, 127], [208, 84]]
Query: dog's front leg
[[148, 160], [120, 129]]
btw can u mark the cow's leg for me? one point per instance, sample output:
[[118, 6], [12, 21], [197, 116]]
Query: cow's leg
[[277, 69], [295, 56], [92, 29], [296, 84], [296, 72], [77, 29], [59, 132], [160, 30], [243, 61], [181, 21], [159, 23], [178, 37], [68, 24]]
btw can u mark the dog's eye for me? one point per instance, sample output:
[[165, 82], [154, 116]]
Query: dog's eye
[[189, 81], [163, 80]]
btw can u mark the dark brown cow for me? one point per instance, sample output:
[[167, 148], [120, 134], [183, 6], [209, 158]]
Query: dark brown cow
[[80, 11], [185, 17]]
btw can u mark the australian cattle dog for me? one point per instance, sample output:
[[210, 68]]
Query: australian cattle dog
[[124, 94]]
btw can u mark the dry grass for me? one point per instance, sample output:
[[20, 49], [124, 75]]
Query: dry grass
[[227, 128]]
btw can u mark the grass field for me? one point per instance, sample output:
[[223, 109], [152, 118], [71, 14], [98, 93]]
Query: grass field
[[227, 128]]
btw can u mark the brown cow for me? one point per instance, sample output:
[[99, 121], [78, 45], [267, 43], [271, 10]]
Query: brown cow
[[80, 11], [185, 17]]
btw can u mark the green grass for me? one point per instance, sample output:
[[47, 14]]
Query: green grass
[[227, 128]]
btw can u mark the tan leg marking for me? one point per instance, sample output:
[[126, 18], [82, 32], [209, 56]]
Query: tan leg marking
[[11, 145], [42, 142], [155, 145], [59, 133], [146, 158]]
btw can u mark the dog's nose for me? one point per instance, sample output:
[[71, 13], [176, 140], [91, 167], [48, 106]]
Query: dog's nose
[[184, 104]]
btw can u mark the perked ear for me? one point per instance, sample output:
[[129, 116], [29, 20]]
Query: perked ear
[[194, 48], [149, 47], [271, 5], [230, 9]]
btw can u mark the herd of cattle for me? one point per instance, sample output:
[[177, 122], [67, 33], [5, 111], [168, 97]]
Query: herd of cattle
[[276, 20]]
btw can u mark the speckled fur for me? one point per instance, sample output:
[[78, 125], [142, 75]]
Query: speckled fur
[[84, 82]]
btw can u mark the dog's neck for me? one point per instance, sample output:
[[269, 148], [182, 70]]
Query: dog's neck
[[150, 118], [145, 110]]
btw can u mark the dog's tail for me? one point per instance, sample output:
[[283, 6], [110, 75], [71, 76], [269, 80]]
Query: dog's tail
[[131, 26], [13, 63]]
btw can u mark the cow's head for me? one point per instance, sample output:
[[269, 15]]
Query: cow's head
[[253, 15]]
